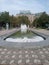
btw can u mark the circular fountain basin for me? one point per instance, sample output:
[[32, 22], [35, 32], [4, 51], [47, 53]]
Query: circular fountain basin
[[29, 36], [25, 39], [24, 35]]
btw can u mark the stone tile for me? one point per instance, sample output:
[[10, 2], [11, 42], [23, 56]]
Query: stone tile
[[26, 55], [0, 49], [27, 60], [12, 61], [22, 64], [46, 62], [7, 56], [43, 56], [14, 52], [19, 61], [3, 62], [5, 49], [20, 56], [37, 61], [20, 52], [32, 52], [31, 60], [0, 56], [41, 52], [13, 56], [33, 56], [30, 64], [36, 56], [46, 52], [48, 49], [9, 52], [39, 49], [26, 51], [44, 49], [12, 64], [2, 52]]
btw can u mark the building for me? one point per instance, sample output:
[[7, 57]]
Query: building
[[30, 16]]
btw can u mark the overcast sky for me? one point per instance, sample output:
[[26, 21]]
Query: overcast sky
[[14, 6]]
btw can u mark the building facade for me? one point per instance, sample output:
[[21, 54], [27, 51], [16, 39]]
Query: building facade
[[31, 17]]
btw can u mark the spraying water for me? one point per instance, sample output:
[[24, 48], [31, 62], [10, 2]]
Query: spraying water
[[23, 28]]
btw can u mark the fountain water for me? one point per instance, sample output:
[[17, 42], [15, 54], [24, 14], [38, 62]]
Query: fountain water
[[23, 28]]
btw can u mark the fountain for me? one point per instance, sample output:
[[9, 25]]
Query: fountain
[[33, 37], [23, 28]]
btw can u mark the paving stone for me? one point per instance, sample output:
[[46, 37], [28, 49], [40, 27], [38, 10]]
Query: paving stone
[[32, 52], [12, 61], [22, 64], [7, 56], [13, 64], [8, 61], [27, 61], [13, 56], [20, 52], [26, 51], [41, 52], [2, 52], [3, 62], [46, 52], [14, 52], [20, 56], [46, 62], [30, 64], [39, 49], [19, 61], [0, 49], [5, 49], [44, 49], [36, 56], [0, 56], [43, 56], [48, 49], [9, 52], [26, 55], [37, 61]]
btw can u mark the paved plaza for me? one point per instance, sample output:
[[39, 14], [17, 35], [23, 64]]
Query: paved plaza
[[24, 56]]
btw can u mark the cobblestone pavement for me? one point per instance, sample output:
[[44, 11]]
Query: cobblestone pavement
[[31, 56]]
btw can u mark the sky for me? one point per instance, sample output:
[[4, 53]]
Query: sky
[[15, 6]]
